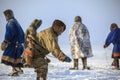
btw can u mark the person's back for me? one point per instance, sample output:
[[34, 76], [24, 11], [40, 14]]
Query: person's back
[[80, 43], [13, 43], [114, 38], [48, 38], [118, 35]]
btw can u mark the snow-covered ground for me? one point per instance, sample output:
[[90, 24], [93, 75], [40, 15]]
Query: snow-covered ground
[[100, 69]]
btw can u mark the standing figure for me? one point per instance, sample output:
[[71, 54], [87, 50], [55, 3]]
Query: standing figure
[[13, 43], [114, 38], [30, 36], [80, 43]]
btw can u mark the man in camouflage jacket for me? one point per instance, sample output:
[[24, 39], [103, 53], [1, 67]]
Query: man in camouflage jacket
[[48, 43]]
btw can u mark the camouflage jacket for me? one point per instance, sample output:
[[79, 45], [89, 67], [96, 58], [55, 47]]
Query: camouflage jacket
[[49, 41]]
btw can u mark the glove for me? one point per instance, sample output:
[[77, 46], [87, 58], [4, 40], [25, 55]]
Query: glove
[[104, 46], [3, 45], [67, 59]]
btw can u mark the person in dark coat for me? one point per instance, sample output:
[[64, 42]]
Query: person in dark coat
[[12, 44], [114, 38]]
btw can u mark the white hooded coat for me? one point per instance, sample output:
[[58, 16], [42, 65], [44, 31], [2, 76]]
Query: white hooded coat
[[80, 41]]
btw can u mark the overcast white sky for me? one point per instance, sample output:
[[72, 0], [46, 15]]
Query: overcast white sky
[[97, 15]]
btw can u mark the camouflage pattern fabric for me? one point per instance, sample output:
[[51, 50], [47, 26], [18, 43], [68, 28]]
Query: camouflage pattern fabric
[[49, 40], [46, 42]]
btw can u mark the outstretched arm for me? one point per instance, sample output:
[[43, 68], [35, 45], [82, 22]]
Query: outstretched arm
[[110, 38], [54, 48]]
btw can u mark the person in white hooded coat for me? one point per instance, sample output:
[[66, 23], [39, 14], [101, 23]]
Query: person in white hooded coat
[[80, 43]]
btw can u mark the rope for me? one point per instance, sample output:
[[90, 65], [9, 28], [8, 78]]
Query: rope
[[107, 62], [106, 57]]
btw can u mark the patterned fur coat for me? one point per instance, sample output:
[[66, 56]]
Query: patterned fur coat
[[80, 41]]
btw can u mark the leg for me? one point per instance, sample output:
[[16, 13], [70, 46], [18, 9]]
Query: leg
[[42, 72], [14, 72], [14, 69], [75, 62], [117, 63], [113, 63], [40, 78], [20, 71], [84, 62]]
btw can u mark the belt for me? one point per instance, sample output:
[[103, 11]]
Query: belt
[[43, 57], [19, 44]]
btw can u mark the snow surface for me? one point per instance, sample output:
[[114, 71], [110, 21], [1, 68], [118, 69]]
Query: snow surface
[[100, 69]]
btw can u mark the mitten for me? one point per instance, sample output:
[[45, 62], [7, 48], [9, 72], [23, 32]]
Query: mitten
[[3, 45], [67, 59]]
